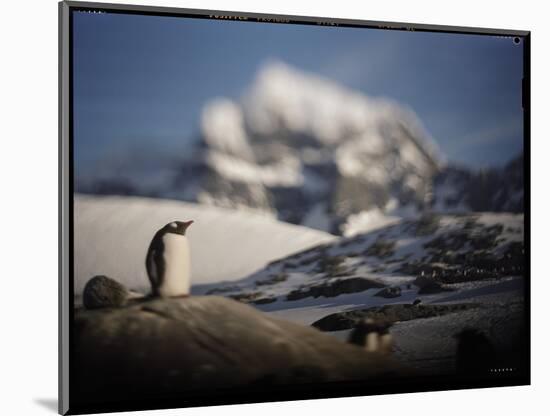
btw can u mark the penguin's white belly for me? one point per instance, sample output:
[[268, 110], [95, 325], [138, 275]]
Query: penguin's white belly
[[177, 266], [373, 342]]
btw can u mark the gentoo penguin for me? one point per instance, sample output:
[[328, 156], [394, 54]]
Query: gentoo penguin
[[373, 336], [168, 261]]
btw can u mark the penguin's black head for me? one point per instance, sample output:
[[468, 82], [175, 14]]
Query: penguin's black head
[[177, 227]]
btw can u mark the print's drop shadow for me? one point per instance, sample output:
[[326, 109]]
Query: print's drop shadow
[[50, 404]]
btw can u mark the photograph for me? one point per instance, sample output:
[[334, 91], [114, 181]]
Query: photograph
[[267, 205]]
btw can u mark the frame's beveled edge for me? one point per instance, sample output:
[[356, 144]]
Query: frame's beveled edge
[[137, 8], [63, 207]]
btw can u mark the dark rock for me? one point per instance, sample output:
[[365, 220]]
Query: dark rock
[[290, 265], [332, 265], [277, 278], [494, 190], [104, 292], [310, 259], [429, 286], [381, 248], [223, 289], [417, 302], [335, 288], [165, 347], [247, 297], [256, 298], [389, 292], [449, 242], [263, 301], [387, 313], [426, 225]]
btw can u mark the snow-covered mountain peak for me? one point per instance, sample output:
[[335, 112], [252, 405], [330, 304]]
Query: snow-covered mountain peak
[[283, 98], [223, 129], [311, 151]]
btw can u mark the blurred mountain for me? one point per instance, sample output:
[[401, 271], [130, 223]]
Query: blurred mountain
[[497, 189], [309, 151]]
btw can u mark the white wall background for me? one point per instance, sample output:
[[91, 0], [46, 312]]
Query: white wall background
[[28, 213]]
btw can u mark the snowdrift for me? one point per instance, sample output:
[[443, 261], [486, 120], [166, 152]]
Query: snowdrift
[[112, 235]]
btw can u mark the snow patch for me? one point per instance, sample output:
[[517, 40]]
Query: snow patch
[[223, 129], [112, 235], [283, 98], [367, 221], [286, 173]]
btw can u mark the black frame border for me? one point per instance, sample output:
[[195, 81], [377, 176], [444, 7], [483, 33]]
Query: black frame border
[[285, 393]]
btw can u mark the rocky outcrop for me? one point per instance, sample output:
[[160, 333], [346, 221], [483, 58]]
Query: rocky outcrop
[[335, 288], [389, 292], [257, 298], [387, 313], [494, 190], [428, 286], [433, 255], [162, 347]]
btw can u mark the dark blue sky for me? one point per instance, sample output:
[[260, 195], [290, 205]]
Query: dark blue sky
[[144, 79]]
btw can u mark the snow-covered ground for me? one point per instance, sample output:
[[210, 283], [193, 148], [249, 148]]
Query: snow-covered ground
[[112, 235], [394, 255]]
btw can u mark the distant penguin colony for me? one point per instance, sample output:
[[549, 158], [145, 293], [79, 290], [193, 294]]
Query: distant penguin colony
[[373, 336], [168, 261]]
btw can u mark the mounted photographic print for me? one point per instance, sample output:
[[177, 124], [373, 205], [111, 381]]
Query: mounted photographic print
[[263, 208]]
